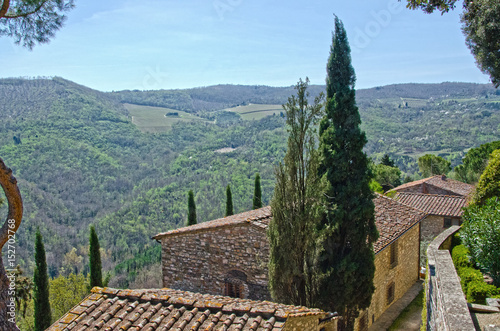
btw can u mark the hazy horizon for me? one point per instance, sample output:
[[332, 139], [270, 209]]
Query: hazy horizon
[[118, 45]]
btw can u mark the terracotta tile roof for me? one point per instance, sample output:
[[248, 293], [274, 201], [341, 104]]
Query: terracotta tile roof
[[167, 309], [441, 205], [258, 217], [393, 219], [442, 182]]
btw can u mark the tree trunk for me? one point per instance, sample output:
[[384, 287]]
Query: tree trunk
[[9, 228]]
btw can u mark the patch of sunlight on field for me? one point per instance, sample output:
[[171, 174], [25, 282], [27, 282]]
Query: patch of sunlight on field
[[256, 111], [154, 119]]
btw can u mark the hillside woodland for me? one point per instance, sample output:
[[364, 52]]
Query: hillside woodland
[[80, 160]]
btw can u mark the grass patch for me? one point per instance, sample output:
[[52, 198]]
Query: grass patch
[[415, 306], [153, 119], [256, 111]]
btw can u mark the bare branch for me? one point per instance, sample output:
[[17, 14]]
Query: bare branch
[[9, 185], [5, 8], [27, 13]]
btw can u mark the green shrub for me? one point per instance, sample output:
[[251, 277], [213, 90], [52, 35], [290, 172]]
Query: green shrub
[[467, 275], [478, 291], [460, 256], [481, 234]]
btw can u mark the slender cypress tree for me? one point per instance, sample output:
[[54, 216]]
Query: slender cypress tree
[[257, 193], [191, 209], [347, 231], [295, 204], [229, 202], [41, 286], [95, 259]]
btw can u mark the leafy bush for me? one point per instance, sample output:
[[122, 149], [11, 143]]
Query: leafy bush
[[478, 291], [468, 275], [460, 256], [481, 234], [489, 183]]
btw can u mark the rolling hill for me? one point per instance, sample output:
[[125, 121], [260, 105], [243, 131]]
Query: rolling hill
[[124, 161]]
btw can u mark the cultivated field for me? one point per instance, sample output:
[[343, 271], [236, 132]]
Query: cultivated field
[[153, 119], [255, 111]]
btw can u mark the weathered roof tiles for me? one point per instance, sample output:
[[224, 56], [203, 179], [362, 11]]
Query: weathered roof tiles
[[440, 205], [167, 309], [258, 217], [393, 219], [439, 181]]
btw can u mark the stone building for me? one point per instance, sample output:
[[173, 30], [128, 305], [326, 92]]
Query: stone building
[[443, 211], [167, 309], [229, 256], [439, 184], [397, 255]]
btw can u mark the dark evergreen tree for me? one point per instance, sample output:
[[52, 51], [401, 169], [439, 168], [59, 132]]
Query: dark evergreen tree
[[386, 160], [229, 202], [295, 204], [191, 209], [347, 231], [95, 259], [41, 286], [257, 193]]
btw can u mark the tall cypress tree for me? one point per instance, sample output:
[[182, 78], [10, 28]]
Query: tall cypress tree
[[229, 202], [295, 204], [191, 209], [347, 230], [257, 193], [95, 259], [41, 286]]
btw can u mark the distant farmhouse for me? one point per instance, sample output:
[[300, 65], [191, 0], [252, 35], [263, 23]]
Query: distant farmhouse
[[229, 256], [440, 197]]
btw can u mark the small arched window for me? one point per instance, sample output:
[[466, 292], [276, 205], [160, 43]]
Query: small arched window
[[235, 284]]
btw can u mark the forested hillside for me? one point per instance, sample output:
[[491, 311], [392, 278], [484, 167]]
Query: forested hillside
[[79, 159]]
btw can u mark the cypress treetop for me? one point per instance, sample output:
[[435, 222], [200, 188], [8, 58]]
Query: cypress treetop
[[41, 286], [257, 193], [191, 209], [95, 259], [229, 202], [347, 230]]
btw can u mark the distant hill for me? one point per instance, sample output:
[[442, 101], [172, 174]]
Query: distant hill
[[82, 157], [212, 98]]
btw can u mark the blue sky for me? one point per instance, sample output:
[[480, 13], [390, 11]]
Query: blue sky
[[167, 44]]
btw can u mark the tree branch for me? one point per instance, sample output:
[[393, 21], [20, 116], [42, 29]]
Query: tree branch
[[5, 8], [27, 13], [9, 185]]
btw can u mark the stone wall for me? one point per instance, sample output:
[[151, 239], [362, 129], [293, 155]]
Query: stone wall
[[432, 226], [403, 275], [446, 305], [201, 261]]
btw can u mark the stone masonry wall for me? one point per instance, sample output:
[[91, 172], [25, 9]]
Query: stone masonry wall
[[404, 274], [446, 305], [432, 225], [200, 261]]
